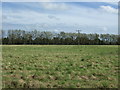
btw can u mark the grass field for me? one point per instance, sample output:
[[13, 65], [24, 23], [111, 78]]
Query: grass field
[[60, 66]]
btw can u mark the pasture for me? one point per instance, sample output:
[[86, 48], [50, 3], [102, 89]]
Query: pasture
[[60, 66]]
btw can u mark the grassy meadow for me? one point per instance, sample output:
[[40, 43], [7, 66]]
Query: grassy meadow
[[60, 66]]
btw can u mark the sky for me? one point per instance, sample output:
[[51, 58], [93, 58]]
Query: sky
[[90, 17]]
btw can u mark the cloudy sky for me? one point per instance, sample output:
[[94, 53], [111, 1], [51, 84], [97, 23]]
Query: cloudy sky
[[90, 17]]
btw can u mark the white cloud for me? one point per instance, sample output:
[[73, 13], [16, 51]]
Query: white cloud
[[0, 15], [53, 17], [60, 0], [104, 28], [27, 0], [75, 17], [55, 6], [109, 9]]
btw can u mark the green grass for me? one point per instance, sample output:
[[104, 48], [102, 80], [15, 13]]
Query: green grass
[[60, 66]]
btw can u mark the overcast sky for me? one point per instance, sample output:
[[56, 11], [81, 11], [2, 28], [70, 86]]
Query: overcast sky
[[90, 17]]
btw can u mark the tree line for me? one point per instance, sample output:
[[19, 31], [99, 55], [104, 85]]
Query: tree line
[[19, 37]]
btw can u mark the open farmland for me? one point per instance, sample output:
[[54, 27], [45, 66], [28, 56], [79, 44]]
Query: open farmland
[[60, 66]]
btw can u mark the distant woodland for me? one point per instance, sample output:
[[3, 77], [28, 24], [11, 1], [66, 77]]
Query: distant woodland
[[22, 37]]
